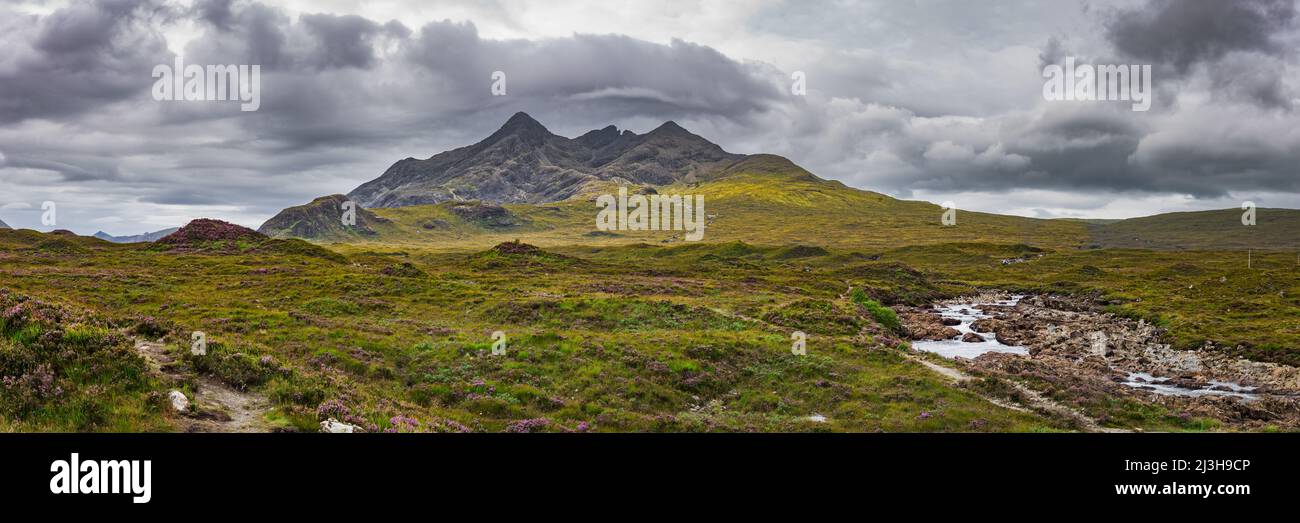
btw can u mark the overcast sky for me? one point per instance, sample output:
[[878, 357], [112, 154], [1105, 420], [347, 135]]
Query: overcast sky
[[921, 99]]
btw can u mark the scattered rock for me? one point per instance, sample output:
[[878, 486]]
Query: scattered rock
[[334, 426], [971, 337], [923, 324], [179, 401]]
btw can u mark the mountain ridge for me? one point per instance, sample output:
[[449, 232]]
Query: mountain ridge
[[523, 162]]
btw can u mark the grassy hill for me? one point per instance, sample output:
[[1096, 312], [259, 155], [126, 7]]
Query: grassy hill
[[767, 200], [1274, 229], [762, 199]]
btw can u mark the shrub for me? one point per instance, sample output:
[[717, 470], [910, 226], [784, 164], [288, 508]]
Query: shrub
[[237, 369], [885, 316]]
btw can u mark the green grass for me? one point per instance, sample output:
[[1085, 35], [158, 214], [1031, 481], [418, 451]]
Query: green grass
[[613, 333]]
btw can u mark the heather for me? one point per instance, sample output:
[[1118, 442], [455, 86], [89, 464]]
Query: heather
[[640, 337]]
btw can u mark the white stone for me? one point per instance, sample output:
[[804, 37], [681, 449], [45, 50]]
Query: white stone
[[179, 401], [334, 426]]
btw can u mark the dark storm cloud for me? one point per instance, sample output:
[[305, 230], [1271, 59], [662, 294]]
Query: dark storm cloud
[[78, 58], [1182, 33], [215, 12], [69, 169], [327, 85], [681, 76], [341, 41], [1254, 78]]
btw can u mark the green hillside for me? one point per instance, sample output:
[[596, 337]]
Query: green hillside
[[1274, 229], [762, 199], [768, 200]]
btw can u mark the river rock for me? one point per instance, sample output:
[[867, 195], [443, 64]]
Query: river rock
[[920, 324], [971, 337], [983, 325]]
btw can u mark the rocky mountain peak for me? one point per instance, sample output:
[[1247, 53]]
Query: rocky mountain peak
[[523, 162], [523, 126]]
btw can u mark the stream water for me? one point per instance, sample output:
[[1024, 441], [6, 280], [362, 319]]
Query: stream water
[[1146, 381], [967, 313]]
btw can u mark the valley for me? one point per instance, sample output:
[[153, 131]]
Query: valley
[[640, 337], [384, 322]]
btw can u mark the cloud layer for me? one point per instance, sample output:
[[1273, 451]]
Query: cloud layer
[[938, 101]]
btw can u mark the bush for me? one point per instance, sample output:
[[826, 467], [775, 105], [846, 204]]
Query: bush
[[64, 370], [885, 316], [237, 369]]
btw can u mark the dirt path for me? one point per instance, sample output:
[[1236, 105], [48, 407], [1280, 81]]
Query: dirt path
[[1035, 400], [220, 408]]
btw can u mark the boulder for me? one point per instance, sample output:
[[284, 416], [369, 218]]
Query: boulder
[[925, 325], [334, 426], [971, 337], [983, 325], [179, 401]]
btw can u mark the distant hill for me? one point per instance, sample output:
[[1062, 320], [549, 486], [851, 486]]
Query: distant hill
[[139, 238], [523, 162], [322, 219], [1274, 229], [3, 225]]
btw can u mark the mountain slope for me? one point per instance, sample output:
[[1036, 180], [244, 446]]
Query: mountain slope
[[138, 238], [322, 219], [3, 225], [523, 162], [758, 199]]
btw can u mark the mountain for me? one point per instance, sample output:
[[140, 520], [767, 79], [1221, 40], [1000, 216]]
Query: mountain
[[139, 238], [322, 219], [525, 183], [3, 225], [523, 162]]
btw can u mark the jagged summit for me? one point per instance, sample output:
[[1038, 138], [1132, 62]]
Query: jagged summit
[[523, 162], [525, 128], [522, 121], [670, 127]]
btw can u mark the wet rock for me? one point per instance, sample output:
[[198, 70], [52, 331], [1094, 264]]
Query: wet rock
[[971, 337], [1084, 354], [921, 324], [951, 322]]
